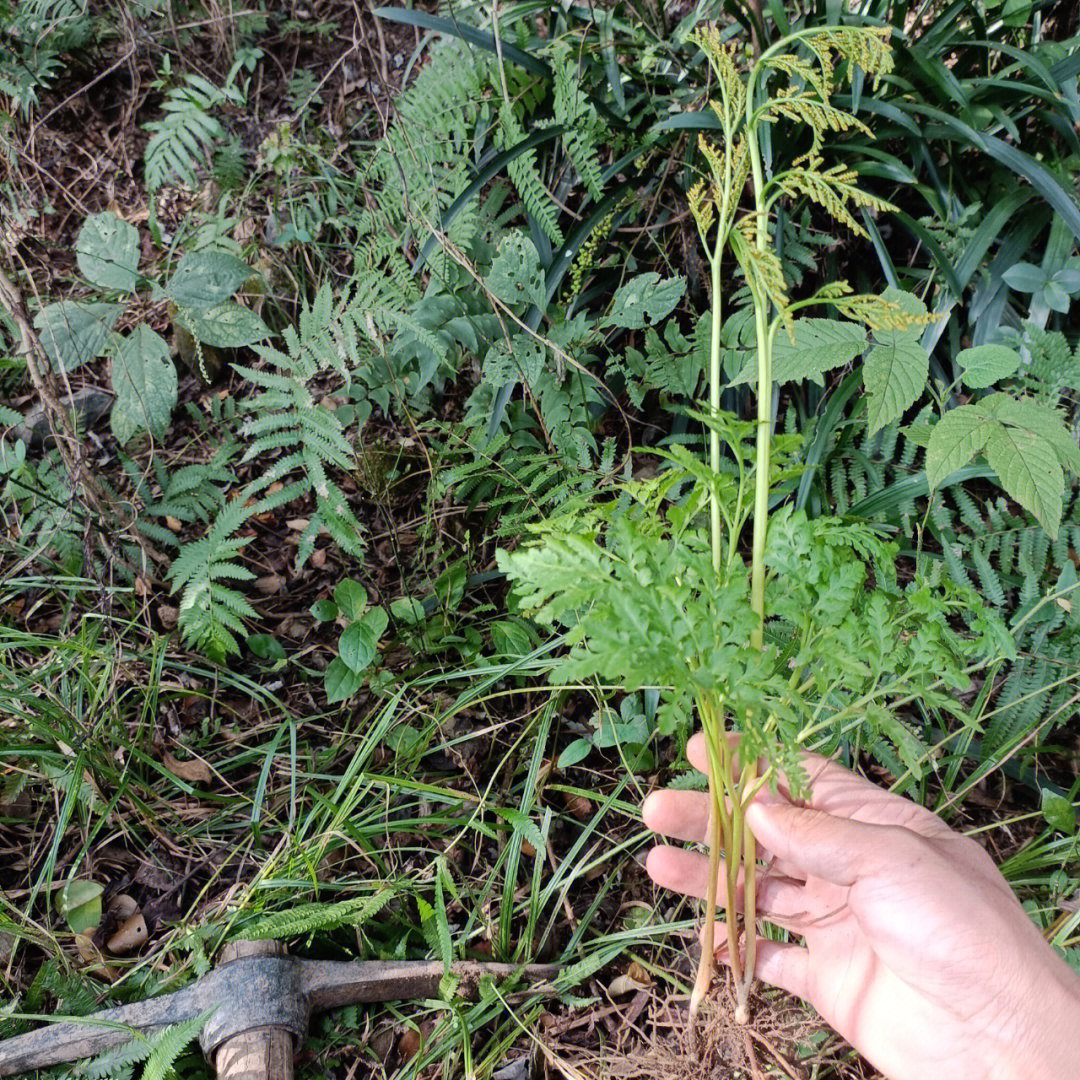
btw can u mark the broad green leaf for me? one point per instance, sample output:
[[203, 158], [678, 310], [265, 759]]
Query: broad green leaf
[[323, 610], [73, 333], [351, 598], [356, 649], [1039, 419], [522, 359], [576, 752], [516, 276], [984, 365], [204, 279], [407, 610], [1025, 277], [79, 903], [644, 298], [107, 251], [227, 326], [820, 345], [376, 620], [1058, 812], [894, 374], [340, 681], [955, 439], [144, 380], [1055, 297], [265, 646], [1029, 471]]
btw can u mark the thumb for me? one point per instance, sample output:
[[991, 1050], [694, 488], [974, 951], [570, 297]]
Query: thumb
[[835, 849]]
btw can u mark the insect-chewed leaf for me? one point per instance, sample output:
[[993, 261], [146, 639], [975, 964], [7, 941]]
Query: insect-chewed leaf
[[144, 379], [226, 326], [107, 250], [515, 276], [205, 278], [644, 298], [73, 333]]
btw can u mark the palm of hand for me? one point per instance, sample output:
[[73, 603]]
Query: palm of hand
[[895, 921]]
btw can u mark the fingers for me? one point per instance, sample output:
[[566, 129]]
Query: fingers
[[777, 963], [682, 815], [835, 849], [839, 792], [779, 899], [785, 966]]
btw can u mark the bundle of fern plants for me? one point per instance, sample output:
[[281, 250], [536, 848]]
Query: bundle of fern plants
[[806, 636]]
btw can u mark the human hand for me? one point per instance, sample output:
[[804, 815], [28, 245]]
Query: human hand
[[914, 947]]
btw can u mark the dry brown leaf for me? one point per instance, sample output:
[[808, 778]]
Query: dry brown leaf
[[194, 771], [131, 933], [168, 615], [578, 805], [175, 524], [298, 524], [318, 558], [123, 906], [630, 982], [269, 584]]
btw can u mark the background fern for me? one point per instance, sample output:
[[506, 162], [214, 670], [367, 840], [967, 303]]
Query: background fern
[[211, 612]]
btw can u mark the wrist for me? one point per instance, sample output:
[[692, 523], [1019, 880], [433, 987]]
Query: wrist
[[1041, 1041]]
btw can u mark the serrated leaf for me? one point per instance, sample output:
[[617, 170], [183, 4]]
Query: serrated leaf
[[107, 251], [73, 333], [204, 279], [820, 345], [1029, 471], [226, 326], [1039, 419], [908, 745], [144, 380], [516, 276], [340, 681], [984, 365], [955, 439], [644, 298], [894, 375], [523, 824]]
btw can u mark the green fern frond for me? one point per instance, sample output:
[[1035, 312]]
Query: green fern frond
[[180, 140], [526, 177], [211, 613], [170, 1043], [307, 918], [834, 189]]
